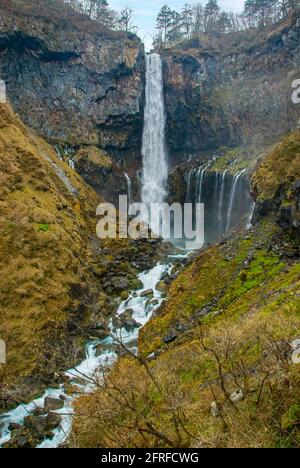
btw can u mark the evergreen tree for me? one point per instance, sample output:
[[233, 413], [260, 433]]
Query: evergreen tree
[[164, 21], [211, 15], [187, 19], [198, 19], [224, 23], [175, 32], [126, 20]]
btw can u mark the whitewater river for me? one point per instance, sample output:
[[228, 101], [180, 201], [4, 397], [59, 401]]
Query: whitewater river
[[93, 362]]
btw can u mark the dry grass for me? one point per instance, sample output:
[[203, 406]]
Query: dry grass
[[43, 250], [56, 11]]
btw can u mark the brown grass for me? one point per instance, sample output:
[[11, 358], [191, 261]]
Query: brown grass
[[58, 12]]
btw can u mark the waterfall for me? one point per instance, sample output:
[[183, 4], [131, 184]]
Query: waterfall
[[155, 163], [221, 201], [199, 183], [129, 189], [233, 196], [189, 185]]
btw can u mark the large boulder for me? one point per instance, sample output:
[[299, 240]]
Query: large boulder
[[53, 404]]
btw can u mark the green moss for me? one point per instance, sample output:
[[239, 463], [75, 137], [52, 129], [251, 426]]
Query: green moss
[[43, 227], [291, 417], [279, 169]]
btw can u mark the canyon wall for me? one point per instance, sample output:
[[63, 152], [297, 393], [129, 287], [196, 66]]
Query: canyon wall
[[71, 79], [232, 90]]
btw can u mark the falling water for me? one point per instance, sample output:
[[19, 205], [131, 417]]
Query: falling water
[[233, 196], [129, 189], [155, 163], [189, 185], [221, 202], [202, 174]]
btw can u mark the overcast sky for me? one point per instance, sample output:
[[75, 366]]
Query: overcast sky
[[146, 10]]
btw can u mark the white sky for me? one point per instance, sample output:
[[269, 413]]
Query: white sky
[[146, 11]]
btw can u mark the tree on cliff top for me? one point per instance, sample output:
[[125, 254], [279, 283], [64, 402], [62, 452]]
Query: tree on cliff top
[[126, 20]]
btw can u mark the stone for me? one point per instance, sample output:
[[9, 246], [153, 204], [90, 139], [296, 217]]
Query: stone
[[215, 411], [161, 287], [131, 325], [237, 396], [120, 284], [21, 442], [170, 337], [125, 320], [127, 314], [52, 421], [53, 404], [285, 216], [14, 426], [147, 293], [36, 423]]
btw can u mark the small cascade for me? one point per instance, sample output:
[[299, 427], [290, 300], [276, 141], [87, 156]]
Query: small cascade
[[227, 199], [221, 200], [232, 197], [129, 188], [200, 183], [189, 185]]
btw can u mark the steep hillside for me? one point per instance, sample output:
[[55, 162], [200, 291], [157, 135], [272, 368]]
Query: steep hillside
[[71, 79], [218, 363], [57, 279], [231, 90]]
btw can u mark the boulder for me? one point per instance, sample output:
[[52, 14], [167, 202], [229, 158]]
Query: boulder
[[237, 396], [147, 293], [171, 336], [14, 427], [131, 325], [127, 315], [36, 423], [125, 320], [161, 287], [215, 410], [120, 284], [52, 421], [53, 404]]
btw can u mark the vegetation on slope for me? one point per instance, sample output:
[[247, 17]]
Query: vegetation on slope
[[57, 279], [216, 367]]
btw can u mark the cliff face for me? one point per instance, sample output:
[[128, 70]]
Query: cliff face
[[72, 80], [231, 92]]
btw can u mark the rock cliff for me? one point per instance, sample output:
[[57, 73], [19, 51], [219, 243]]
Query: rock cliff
[[71, 79], [231, 91]]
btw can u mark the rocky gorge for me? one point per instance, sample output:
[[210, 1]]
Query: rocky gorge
[[202, 341]]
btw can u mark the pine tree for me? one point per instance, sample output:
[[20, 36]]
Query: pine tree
[[175, 32], [224, 23], [211, 14], [164, 21], [198, 16], [126, 20], [187, 19]]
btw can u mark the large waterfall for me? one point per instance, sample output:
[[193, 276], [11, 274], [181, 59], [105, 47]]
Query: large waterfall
[[155, 162]]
